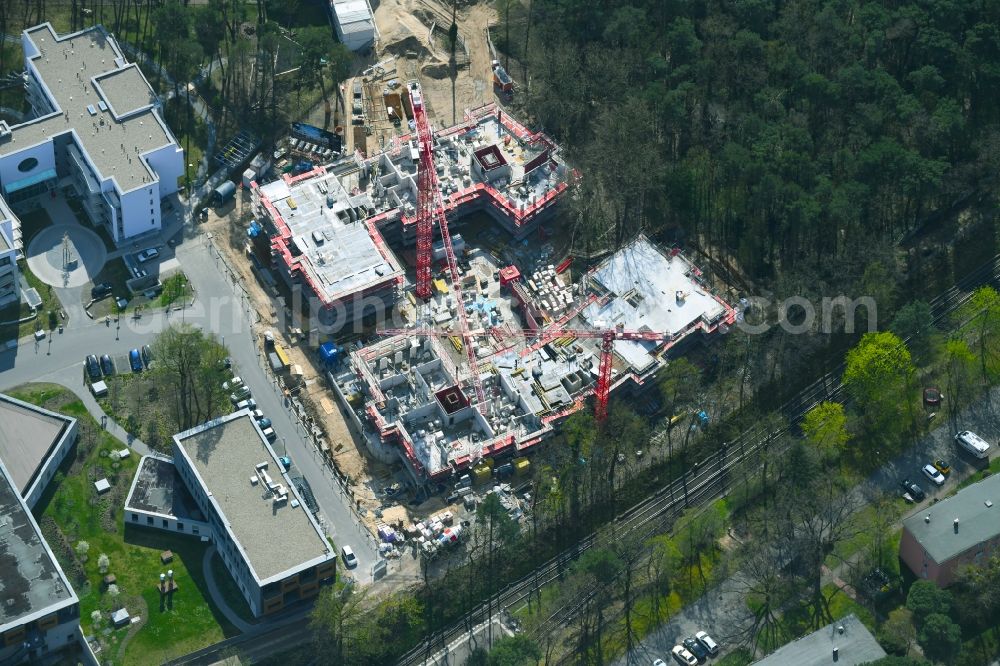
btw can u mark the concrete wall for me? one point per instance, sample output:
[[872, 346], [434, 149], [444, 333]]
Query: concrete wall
[[9, 172], [168, 164], [140, 212], [10, 286]]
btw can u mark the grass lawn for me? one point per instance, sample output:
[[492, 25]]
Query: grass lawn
[[230, 591], [71, 512], [738, 657], [176, 289], [137, 403], [863, 541], [994, 468], [16, 311]]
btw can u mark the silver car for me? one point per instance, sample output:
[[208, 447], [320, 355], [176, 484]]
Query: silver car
[[931, 472]]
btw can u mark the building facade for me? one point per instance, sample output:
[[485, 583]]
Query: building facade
[[272, 546], [97, 132], [959, 531], [10, 252], [40, 613]]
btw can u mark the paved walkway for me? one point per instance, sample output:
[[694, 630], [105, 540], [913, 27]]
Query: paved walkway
[[217, 597], [109, 424]]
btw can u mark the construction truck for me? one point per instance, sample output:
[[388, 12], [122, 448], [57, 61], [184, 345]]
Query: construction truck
[[501, 80]]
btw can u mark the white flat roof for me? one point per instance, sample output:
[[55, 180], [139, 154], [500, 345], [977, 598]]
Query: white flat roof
[[645, 283], [346, 259], [275, 538], [87, 71]]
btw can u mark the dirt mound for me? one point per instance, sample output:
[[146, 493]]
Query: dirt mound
[[408, 46], [436, 70]]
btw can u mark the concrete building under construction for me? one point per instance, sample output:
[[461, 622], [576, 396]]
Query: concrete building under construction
[[413, 394], [416, 396], [328, 227]]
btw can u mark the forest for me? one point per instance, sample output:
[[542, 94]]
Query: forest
[[785, 138]]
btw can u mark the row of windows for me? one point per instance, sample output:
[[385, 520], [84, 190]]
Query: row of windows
[[165, 524]]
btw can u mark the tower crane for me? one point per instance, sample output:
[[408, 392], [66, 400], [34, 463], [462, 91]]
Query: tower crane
[[607, 336], [430, 207]]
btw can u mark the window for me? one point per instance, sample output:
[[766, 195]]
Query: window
[[194, 529], [149, 520], [180, 527], [135, 517], [165, 523], [27, 164]]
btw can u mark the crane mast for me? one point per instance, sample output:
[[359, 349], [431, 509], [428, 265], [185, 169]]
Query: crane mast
[[430, 205]]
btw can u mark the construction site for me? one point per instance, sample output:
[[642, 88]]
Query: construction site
[[453, 330], [484, 353]]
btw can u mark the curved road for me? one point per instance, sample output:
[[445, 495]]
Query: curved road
[[219, 308]]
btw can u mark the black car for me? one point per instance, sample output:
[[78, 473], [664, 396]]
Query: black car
[[695, 648], [93, 368], [100, 290], [913, 490], [147, 355], [107, 366]]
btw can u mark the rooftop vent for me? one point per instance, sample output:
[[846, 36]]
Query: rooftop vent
[[840, 629], [927, 518], [956, 526], [988, 503]]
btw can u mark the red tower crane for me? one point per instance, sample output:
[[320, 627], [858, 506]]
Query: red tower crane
[[607, 336], [430, 205]]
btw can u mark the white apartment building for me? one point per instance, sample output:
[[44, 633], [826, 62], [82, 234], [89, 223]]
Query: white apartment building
[[10, 252], [97, 127]]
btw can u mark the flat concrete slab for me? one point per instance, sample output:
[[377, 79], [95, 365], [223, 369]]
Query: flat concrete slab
[[46, 254]]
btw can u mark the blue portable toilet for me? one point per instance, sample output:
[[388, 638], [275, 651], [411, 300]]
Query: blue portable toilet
[[703, 418], [330, 353]]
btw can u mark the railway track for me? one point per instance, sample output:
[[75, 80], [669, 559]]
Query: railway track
[[708, 480]]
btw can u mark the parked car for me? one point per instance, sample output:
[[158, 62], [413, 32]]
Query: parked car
[[264, 423], [932, 473], [147, 254], [943, 467], [695, 648], [135, 360], [270, 434], [913, 490], [350, 559], [683, 657], [659, 662], [107, 366], [100, 290], [232, 384], [93, 368], [147, 355], [241, 393], [249, 403], [708, 643], [257, 415]]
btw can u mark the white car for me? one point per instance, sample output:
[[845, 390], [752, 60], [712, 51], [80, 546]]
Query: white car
[[147, 254], [659, 662], [249, 403], [257, 415], [233, 384], [931, 473], [683, 657], [350, 559], [707, 643]]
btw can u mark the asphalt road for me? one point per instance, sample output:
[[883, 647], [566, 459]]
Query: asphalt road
[[218, 308]]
